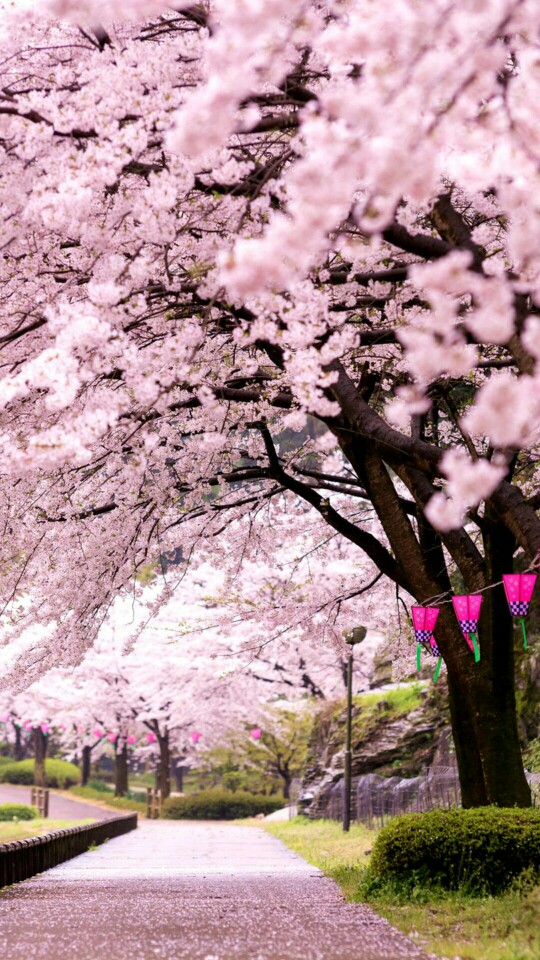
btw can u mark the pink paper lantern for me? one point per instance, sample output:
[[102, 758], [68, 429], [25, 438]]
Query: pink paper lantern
[[424, 620], [256, 733], [5, 718], [195, 736], [98, 734], [519, 589], [151, 738], [467, 610], [112, 737], [44, 728], [131, 740], [27, 725]]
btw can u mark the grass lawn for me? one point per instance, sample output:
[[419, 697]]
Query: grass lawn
[[451, 925], [23, 829], [104, 798]]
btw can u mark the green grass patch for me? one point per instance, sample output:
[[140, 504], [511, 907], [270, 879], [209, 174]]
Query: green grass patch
[[445, 923], [35, 828], [103, 799]]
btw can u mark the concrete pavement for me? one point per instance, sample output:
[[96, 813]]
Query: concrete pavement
[[60, 808], [191, 891]]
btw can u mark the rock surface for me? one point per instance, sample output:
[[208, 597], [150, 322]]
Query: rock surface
[[389, 739]]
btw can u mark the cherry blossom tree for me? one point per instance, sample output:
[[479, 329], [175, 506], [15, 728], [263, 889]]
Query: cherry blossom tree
[[311, 279]]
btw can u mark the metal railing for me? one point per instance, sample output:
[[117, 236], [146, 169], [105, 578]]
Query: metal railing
[[375, 799], [22, 859]]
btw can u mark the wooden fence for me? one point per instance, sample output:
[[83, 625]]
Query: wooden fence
[[22, 859]]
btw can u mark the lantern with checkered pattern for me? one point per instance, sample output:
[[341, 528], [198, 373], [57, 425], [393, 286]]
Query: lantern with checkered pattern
[[467, 610], [424, 620], [519, 589]]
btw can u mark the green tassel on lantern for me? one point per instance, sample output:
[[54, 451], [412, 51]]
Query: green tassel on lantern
[[437, 670], [475, 647], [419, 656], [522, 622]]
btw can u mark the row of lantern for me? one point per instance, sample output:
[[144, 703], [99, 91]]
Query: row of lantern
[[99, 734], [27, 725], [519, 588]]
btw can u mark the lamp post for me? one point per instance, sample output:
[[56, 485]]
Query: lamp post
[[352, 637]]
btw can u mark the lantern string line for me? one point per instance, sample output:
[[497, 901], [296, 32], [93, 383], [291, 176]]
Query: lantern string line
[[439, 598]]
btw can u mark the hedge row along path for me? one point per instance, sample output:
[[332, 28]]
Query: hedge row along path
[[60, 808], [198, 891]]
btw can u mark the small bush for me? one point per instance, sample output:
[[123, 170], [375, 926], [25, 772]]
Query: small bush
[[484, 849], [59, 773], [219, 805], [17, 811], [4, 760], [100, 785]]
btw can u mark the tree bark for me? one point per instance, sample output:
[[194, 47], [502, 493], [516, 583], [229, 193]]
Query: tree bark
[[179, 771], [481, 696], [286, 784], [86, 765], [120, 771], [18, 749], [40, 751], [163, 772]]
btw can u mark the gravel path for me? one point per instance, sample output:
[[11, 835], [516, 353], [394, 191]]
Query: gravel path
[[60, 808], [186, 891]]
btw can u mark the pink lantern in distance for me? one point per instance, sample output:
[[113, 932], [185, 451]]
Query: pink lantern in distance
[[5, 718], [256, 733], [195, 736], [151, 738], [519, 589], [98, 734], [44, 728], [131, 740], [112, 737], [467, 610], [424, 620]]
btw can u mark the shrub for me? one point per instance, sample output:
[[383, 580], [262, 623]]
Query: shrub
[[219, 805], [4, 760], [100, 785], [483, 849], [17, 811], [59, 773]]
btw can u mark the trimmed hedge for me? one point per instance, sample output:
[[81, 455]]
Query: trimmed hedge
[[219, 805], [59, 773], [17, 811], [484, 848]]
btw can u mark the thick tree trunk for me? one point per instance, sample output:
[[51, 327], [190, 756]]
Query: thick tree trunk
[[482, 696], [40, 751], [121, 772], [18, 750], [286, 784], [179, 771], [163, 772], [86, 765]]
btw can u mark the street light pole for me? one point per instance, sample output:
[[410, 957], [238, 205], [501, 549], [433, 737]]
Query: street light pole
[[352, 638]]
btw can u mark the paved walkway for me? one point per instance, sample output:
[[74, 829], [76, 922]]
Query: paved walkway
[[190, 891], [60, 808]]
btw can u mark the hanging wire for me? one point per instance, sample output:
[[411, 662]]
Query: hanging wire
[[438, 598]]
